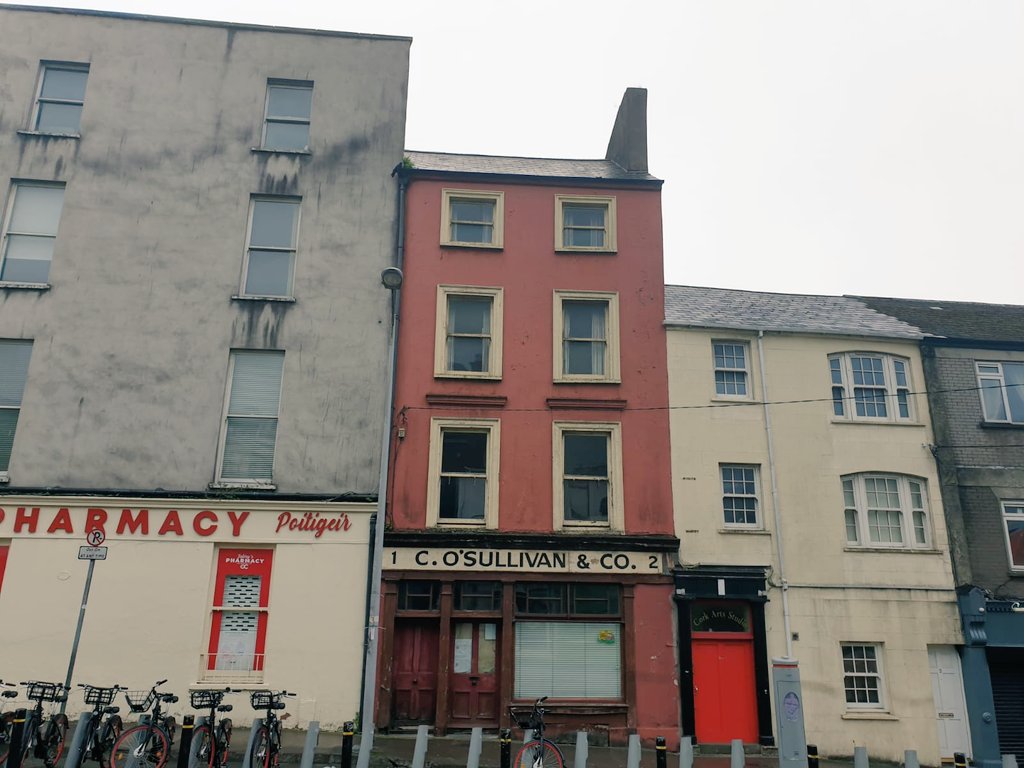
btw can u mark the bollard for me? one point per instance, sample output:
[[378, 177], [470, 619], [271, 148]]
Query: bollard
[[14, 754], [812, 756], [188, 734], [75, 756], [633, 754], [686, 752], [309, 748], [256, 725], [737, 758], [348, 732], [582, 750], [527, 736], [910, 759], [661, 752], [1009, 761], [959, 760], [419, 755], [476, 745], [860, 757], [505, 740]]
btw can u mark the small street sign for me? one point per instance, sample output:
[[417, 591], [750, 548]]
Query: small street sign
[[92, 553], [95, 538]]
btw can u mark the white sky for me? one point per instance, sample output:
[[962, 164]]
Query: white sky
[[807, 146]]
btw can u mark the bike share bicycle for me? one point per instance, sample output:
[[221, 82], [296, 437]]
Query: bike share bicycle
[[43, 735], [6, 720], [266, 745], [148, 744], [212, 739], [538, 752], [105, 725]]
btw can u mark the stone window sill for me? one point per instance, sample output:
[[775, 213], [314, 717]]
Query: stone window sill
[[50, 135], [878, 715], [268, 151], [878, 423], [227, 485], [285, 299], [736, 400], [4, 478], [894, 550], [999, 425], [746, 531], [17, 286]]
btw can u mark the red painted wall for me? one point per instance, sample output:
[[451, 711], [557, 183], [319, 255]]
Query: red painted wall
[[529, 270], [657, 686]]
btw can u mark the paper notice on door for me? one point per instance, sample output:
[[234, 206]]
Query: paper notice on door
[[463, 661], [490, 631]]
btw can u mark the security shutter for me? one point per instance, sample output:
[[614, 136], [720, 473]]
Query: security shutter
[[1006, 667], [238, 626]]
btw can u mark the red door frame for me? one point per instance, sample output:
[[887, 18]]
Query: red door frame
[[241, 562]]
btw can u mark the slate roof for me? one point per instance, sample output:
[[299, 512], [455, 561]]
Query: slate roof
[[960, 320], [537, 167], [690, 306]]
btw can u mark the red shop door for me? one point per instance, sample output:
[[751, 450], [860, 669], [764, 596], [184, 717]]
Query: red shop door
[[724, 687], [474, 678], [414, 670]]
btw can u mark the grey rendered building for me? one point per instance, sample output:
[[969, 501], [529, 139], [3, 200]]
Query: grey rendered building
[[193, 335], [974, 371]]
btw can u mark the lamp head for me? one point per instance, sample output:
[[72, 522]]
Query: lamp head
[[391, 278]]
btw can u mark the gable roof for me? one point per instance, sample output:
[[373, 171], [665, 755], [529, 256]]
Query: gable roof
[[690, 306], [955, 320], [532, 167]]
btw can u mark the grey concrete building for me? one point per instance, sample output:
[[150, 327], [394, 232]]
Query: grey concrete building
[[192, 326], [973, 357]]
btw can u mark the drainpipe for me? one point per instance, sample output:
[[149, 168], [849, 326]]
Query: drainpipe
[[392, 279], [779, 549]]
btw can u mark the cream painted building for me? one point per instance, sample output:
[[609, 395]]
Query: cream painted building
[[811, 525]]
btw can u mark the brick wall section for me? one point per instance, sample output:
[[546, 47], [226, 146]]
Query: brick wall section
[[980, 466]]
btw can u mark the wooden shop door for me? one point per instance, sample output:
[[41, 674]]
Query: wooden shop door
[[724, 686], [475, 674], [414, 670]]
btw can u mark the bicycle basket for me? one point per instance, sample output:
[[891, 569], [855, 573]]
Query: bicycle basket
[[206, 699], [262, 699], [101, 697], [524, 718], [38, 691], [140, 701]]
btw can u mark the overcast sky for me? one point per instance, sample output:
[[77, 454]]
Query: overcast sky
[[808, 146]]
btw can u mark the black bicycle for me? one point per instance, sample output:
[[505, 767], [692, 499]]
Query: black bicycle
[[538, 752], [266, 745], [6, 719], [211, 740], [148, 744], [44, 734], [104, 727]]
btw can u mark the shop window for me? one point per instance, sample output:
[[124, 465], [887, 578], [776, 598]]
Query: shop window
[[418, 595], [478, 596], [573, 656], [238, 628]]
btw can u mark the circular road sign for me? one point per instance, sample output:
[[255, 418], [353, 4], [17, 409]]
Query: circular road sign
[[95, 537]]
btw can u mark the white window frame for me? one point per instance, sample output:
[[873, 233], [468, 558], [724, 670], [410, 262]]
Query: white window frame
[[268, 118], [998, 377], [616, 505], [1011, 510], [841, 364], [756, 496], [745, 370], [444, 293], [882, 705], [67, 66], [249, 247], [909, 527], [241, 482], [473, 195], [611, 373], [4, 476], [610, 234], [438, 426], [17, 184]]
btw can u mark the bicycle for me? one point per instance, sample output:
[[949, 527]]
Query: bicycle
[[6, 721], [148, 744], [43, 736], [212, 739], [538, 752], [266, 745], [104, 727]]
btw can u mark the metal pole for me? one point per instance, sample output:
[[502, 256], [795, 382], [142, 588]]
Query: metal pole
[[78, 633]]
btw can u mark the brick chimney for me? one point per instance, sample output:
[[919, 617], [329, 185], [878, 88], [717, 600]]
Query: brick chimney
[[628, 145]]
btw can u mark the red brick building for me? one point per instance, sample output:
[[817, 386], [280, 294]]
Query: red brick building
[[530, 513]]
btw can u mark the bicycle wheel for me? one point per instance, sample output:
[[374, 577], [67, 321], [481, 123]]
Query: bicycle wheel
[[530, 756], [53, 740], [202, 747], [6, 725], [143, 746], [223, 742], [263, 754], [110, 733]]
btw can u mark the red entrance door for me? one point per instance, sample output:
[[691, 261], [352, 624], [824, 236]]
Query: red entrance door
[[724, 688], [414, 670], [474, 678]]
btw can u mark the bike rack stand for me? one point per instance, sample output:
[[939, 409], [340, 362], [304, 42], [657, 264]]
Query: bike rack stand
[[74, 758], [309, 749], [256, 725], [194, 747], [419, 755], [17, 738], [582, 750]]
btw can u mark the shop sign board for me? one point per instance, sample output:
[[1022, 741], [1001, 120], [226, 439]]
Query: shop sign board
[[522, 560]]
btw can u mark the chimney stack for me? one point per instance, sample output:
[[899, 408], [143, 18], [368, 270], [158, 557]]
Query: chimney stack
[[628, 144]]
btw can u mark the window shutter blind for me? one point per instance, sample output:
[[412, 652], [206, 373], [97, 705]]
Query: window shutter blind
[[568, 660], [252, 415], [14, 357], [256, 384]]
